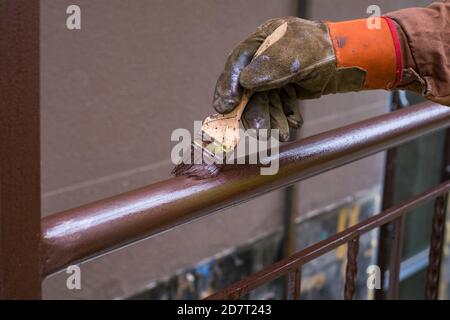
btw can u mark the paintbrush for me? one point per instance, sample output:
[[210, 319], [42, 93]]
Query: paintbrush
[[220, 132]]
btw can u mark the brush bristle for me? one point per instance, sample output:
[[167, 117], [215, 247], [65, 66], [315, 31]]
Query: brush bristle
[[196, 171]]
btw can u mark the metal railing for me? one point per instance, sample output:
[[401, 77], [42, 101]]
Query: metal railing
[[292, 266], [81, 233], [31, 248]]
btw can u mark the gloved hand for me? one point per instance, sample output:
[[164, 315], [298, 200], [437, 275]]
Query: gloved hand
[[309, 60]]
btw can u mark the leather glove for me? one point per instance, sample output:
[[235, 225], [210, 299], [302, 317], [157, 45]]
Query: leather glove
[[309, 60]]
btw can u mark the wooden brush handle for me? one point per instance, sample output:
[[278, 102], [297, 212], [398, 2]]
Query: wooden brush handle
[[270, 40]]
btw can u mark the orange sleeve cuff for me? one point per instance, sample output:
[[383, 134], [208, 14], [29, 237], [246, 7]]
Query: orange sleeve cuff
[[376, 50]]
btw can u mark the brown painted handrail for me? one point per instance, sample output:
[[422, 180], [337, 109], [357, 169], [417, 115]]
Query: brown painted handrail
[[83, 232]]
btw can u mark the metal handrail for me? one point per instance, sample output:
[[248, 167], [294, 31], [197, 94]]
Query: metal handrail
[[89, 230]]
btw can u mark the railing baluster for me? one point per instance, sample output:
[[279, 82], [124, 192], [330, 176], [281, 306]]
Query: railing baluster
[[396, 258], [298, 283], [294, 283], [350, 236], [436, 246], [351, 269], [388, 201]]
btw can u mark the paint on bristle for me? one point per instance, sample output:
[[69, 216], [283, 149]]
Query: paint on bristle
[[197, 168]]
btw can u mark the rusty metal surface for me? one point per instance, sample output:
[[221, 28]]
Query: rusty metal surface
[[351, 270], [390, 257], [284, 266], [294, 284], [436, 248], [438, 231], [290, 213], [20, 276], [82, 232], [395, 258]]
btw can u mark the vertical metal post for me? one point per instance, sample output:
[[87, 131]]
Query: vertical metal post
[[288, 243], [294, 283], [20, 276], [438, 231], [351, 270], [389, 233], [395, 258], [436, 247], [289, 232]]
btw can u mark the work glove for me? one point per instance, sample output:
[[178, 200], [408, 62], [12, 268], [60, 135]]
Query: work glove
[[309, 60]]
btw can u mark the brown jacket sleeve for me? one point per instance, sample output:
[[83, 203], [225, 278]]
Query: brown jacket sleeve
[[425, 37]]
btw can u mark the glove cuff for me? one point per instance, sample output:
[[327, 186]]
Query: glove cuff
[[374, 48]]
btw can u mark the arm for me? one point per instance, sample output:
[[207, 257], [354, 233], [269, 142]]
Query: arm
[[425, 36], [410, 51]]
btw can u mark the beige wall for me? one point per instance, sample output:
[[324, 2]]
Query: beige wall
[[113, 92]]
